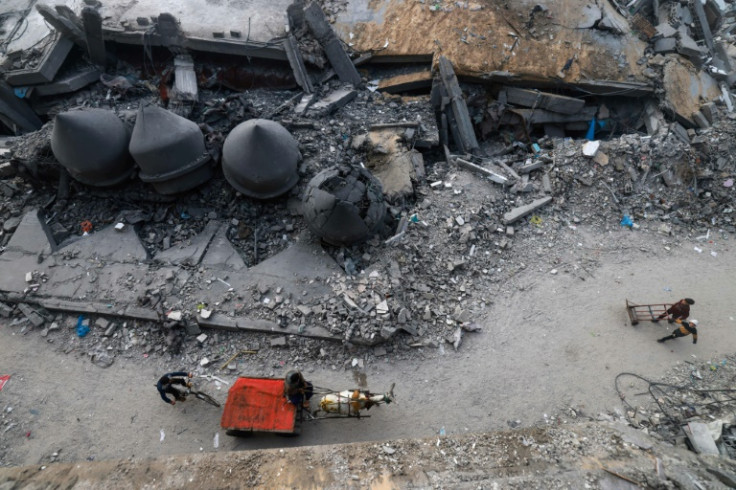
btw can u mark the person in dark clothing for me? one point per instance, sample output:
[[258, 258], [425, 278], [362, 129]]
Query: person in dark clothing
[[679, 311], [297, 389], [685, 329], [166, 385]]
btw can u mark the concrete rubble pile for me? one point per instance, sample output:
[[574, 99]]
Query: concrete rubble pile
[[478, 174]]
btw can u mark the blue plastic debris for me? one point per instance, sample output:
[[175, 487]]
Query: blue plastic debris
[[627, 221], [82, 328]]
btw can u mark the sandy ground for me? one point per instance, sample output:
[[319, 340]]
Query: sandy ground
[[550, 342]]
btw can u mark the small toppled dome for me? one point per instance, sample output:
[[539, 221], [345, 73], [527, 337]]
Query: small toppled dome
[[259, 159], [169, 150], [344, 205], [92, 144]]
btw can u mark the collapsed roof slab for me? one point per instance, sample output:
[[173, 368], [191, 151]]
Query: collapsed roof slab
[[227, 27], [485, 37]]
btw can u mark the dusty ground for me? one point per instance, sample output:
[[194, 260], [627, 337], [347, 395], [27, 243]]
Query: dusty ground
[[549, 342]]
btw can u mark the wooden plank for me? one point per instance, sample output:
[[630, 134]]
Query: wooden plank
[[544, 100]]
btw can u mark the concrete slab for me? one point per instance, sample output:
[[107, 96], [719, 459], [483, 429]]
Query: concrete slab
[[192, 251], [221, 255], [13, 268], [32, 237], [295, 267], [228, 26], [108, 245]]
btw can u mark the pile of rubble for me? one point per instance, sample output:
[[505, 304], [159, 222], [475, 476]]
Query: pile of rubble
[[426, 194]]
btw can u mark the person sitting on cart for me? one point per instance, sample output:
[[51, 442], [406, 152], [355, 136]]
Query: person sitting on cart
[[297, 389], [166, 385], [679, 311]]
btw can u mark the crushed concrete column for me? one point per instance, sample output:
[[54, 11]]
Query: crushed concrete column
[[518, 213], [326, 37]]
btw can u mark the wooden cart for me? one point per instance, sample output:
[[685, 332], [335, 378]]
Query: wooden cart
[[258, 405]]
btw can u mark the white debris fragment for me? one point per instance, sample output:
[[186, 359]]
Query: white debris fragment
[[590, 148], [205, 314], [119, 226], [382, 308], [174, 315]]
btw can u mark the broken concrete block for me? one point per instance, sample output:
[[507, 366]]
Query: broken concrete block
[[690, 49], [666, 30], [700, 120], [518, 213], [680, 132], [544, 100], [590, 148], [458, 115], [665, 45], [279, 342], [5, 310], [47, 67], [202, 338], [175, 315], [499, 179], [709, 111], [700, 438], [69, 83], [322, 31], [546, 184], [601, 158], [102, 323], [33, 316], [333, 101]]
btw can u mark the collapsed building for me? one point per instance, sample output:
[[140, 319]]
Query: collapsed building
[[157, 107]]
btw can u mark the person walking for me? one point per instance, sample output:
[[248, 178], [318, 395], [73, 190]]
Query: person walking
[[679, 311], [166, 384], [686, 328]]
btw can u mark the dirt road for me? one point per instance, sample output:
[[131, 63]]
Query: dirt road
[[549, 342]]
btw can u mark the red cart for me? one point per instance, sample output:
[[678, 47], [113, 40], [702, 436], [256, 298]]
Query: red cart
[[258, 405]]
